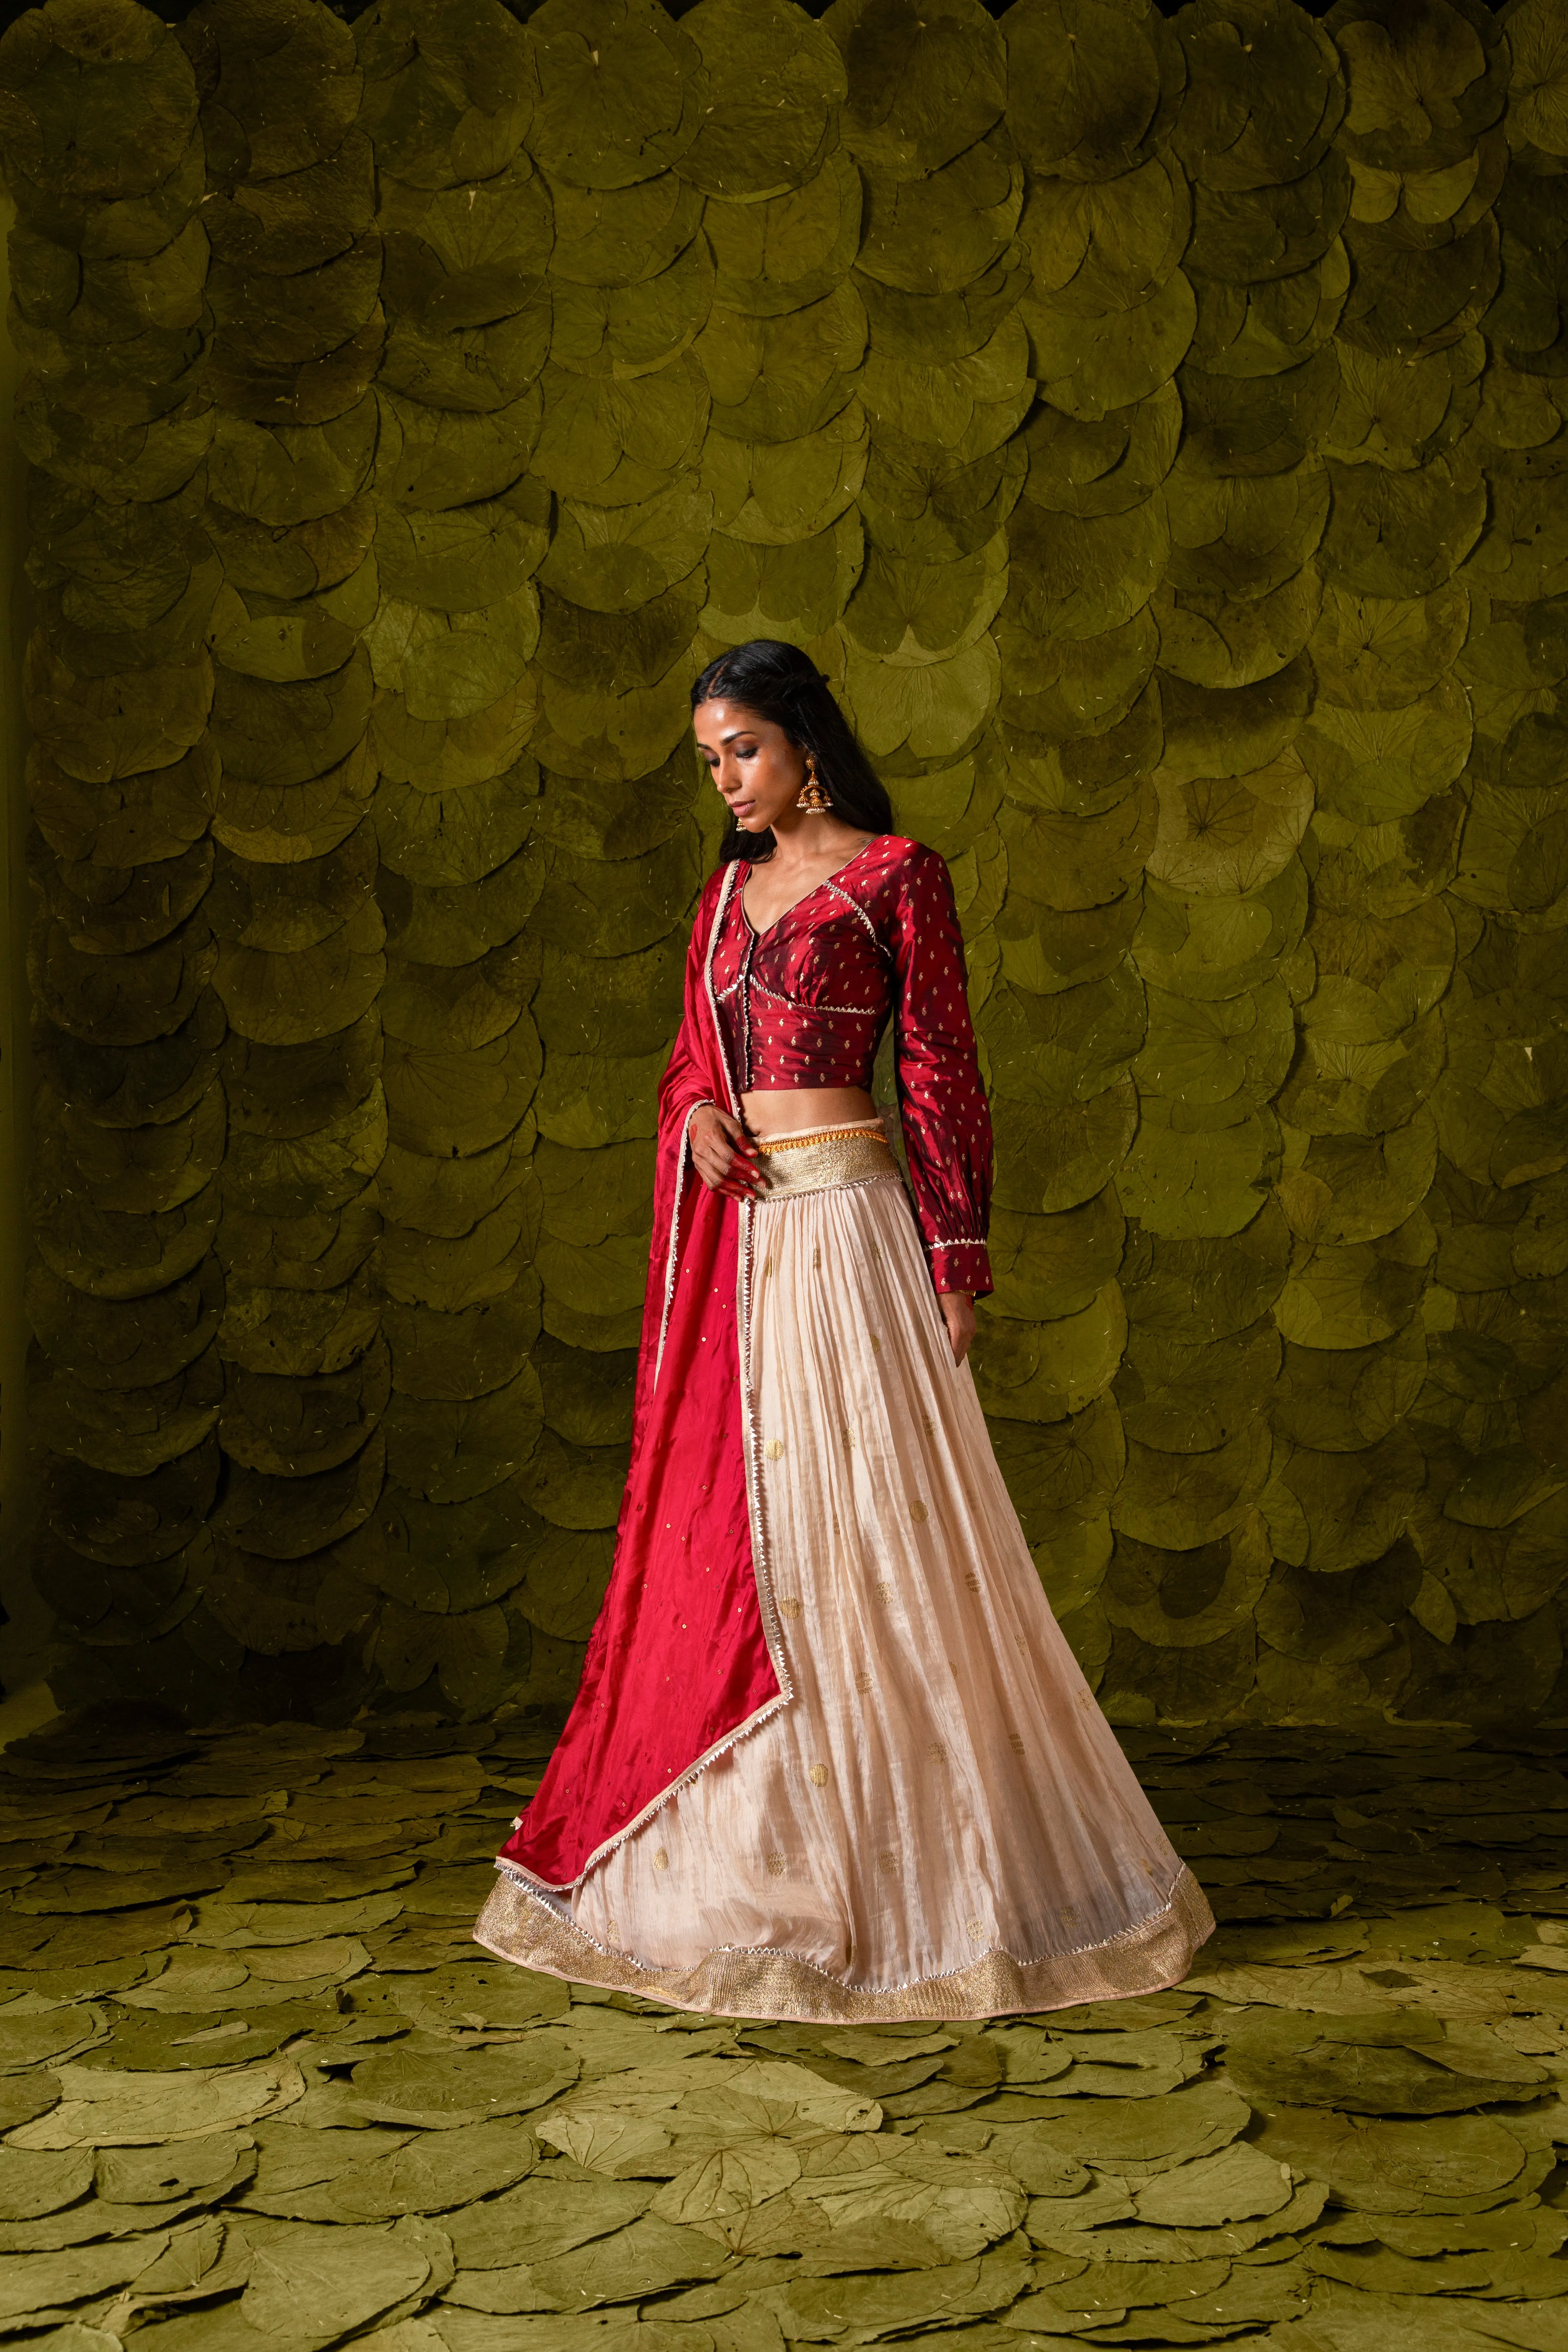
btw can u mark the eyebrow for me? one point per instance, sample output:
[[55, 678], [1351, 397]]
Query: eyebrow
[[729, 737]]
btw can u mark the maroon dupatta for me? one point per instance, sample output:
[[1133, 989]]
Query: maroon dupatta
[[680, 1663]]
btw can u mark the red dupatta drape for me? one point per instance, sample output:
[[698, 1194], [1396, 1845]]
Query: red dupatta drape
[[679, 1663]]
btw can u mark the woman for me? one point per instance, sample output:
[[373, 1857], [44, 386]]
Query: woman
[[832, 1758]]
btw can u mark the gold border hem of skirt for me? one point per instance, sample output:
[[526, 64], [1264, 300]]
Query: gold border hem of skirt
[[1154, 1955]]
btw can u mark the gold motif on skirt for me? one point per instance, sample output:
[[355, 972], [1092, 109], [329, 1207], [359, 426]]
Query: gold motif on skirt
[[975, 1930], [888, 1859], [972, 1579], [876, 1344], [777, 1865], [774, 1448], [918, 1513], [883, 1587], [791, 1608], [936, 1751], [661, 1860], [1015, 1742], [817, 1776], [864, 1684]]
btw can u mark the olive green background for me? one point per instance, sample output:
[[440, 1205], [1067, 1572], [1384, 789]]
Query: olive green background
[[1157, 436]]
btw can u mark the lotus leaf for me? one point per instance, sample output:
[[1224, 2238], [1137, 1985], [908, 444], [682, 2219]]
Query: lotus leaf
[[1088, 366], [938, 233], [917, 502], [1086, 83], [1079, 577], [1108, 465], [1185, 1181], [462, 1005], [467, 558], [1191, 1600], [773, 85], [294, 1092], [1186, 1398], [781, 253], [68, 101], [1099, 248], [771, 493], [631, 330], [1054, 1267], [588, 1403], [445, 101], [452, 1451], [297, 219], [618, 91], [961, 410], [439, 1102], [292, 1428], [619, 237], [779, 380], [909, 613], [436, 458]]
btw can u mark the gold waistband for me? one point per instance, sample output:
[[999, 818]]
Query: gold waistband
[[815, 1163]]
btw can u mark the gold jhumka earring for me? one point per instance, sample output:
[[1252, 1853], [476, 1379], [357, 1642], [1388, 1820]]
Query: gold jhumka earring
[[814, 798]]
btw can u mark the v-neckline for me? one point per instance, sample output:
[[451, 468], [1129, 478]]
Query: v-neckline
[[741, 895]]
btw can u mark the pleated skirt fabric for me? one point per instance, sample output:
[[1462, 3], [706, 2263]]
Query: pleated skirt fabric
[[939, 1823]]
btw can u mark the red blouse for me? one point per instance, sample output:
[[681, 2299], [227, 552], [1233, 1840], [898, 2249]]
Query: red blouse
[[805, 1003]]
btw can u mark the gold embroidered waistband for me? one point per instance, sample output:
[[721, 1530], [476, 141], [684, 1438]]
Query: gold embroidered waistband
[[816, 1163]]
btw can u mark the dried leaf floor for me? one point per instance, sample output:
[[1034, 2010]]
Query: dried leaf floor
[[258, 2088]]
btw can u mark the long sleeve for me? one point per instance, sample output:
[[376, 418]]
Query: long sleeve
[[946, 1121]]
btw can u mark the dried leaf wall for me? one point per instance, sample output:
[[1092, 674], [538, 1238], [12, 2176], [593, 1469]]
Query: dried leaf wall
[[1155, 427]]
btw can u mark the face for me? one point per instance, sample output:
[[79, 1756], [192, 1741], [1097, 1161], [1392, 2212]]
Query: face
[[755, 766]]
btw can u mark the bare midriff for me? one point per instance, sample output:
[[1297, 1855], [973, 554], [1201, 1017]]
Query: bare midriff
[[782, 1110]]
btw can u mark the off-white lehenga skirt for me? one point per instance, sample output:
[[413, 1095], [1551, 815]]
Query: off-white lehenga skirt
[[939, 1823]]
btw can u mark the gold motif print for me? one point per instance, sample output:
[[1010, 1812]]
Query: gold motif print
[[817, 1776], [661, 1860], [888, 1860], [972, 1579], [937, 1752], [774, 1448], [777, 1865], [876, 1344], [1067, 1914], [918, 1513], [863, 1682], [975, 1930], [883, 1587], [791, 1608], [1015, 1742]]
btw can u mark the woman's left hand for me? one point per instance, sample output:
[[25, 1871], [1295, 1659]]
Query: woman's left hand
[[958, 1314]]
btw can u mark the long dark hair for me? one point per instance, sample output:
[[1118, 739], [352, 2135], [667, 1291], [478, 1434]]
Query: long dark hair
[[781, 684]]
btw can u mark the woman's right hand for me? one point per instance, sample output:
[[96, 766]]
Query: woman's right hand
[[723, 1154]]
